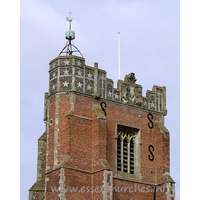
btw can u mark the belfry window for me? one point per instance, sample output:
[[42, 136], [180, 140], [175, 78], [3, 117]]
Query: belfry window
[[125, 151]]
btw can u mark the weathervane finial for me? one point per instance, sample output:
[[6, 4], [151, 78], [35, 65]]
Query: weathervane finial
[[69, 35], [70, 13], [69, 19]]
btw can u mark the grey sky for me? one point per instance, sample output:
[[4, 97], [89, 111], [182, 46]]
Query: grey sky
[[149, 35]]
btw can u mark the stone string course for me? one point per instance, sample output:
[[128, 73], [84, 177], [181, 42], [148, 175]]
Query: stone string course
[[79, 146]]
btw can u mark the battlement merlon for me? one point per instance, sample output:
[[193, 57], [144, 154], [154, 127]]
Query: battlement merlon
[[69, 73]]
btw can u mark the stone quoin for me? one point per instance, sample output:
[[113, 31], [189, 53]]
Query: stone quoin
[[101, 142], [98, 136]]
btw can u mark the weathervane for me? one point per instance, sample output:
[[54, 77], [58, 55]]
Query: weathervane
[[69, 35]]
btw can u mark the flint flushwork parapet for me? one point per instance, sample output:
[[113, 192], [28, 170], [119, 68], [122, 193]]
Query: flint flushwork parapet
[[69, 73]]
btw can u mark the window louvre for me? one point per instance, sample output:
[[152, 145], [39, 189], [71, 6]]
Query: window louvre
[[125, 155], [131, 157], [118, 154]]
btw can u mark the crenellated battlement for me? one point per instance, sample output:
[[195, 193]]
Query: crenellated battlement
[[69, 73]]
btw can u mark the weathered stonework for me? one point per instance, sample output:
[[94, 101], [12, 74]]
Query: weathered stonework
[[81, 144], [107, 185], [62, 184], [38, 188], [56, 130], [170, 193], [74, 75]]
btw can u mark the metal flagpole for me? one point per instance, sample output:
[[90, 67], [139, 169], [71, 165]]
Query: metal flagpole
[[119, 52]]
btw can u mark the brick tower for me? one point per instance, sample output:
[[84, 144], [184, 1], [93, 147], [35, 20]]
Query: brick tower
[[101, 142]]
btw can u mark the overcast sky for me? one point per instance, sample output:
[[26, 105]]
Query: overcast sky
[[149, 36]]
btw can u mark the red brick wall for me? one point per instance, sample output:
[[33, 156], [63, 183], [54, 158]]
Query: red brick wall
[[88, 140], [52, 185], [80, 181]]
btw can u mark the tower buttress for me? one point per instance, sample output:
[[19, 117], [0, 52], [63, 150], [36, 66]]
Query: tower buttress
[[99, 139]]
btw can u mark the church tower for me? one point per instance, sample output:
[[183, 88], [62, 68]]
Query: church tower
[[101, 142]]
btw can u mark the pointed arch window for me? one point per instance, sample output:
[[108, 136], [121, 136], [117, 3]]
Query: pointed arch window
[[125, 152]]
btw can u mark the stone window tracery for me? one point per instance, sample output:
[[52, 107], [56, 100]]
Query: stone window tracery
[[125, 151]]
